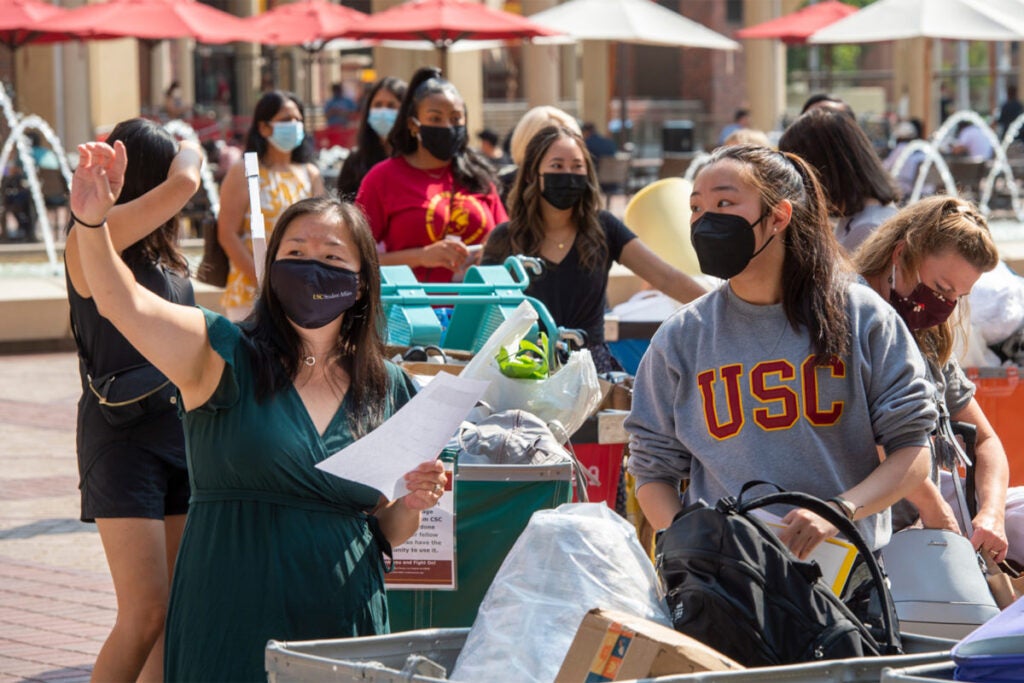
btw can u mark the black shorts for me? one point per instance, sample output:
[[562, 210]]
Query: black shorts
[[128, 480]]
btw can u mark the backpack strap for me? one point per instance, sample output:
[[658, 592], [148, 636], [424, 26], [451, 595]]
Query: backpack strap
[[846, 527]]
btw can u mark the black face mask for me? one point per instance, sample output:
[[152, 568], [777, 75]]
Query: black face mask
[[724, 243], [563, 190], [441, 141], [313, 293]]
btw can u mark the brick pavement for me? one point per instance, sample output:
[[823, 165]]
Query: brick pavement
[[56, 598]]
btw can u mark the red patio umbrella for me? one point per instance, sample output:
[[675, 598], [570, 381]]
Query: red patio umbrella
[[444, 22], [20, 21], [306, 22], [795, 28], [151, 20], [309, 23]]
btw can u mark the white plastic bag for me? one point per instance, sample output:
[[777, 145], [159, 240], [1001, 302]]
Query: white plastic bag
[[569, 396], [997, 304], [566, 562]]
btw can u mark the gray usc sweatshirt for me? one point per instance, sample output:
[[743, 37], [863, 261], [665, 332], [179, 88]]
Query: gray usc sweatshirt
[[728, 393]]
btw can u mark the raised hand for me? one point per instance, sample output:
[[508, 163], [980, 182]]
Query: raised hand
[[98, 180]]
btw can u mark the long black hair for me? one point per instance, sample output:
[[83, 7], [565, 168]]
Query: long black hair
[[151, 149], [848, 167], [369, 149], [266, 109], [526, 224], [359, 348], [815, 274], [469, 169]]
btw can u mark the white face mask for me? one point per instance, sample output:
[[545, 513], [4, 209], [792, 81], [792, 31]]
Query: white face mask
[[287, 135]]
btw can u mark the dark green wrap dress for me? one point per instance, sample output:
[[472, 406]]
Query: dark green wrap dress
[[273, 547]]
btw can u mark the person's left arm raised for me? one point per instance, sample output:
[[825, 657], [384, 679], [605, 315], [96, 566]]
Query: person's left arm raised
[[172, 337]]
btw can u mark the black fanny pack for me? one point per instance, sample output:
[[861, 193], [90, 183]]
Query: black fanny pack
[[130, 396]]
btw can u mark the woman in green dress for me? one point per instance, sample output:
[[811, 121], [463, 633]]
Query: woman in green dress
[[273, 547]]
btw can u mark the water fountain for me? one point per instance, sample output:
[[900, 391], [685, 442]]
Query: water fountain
[[182, 130], [932, 148], [18, 125]]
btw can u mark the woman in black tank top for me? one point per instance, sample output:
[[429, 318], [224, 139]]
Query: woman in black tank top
[[133, 479]]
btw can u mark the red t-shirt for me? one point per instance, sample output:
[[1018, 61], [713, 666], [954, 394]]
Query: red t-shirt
[[409, 207]]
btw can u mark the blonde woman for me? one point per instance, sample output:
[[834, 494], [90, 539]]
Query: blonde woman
[[924, 260]]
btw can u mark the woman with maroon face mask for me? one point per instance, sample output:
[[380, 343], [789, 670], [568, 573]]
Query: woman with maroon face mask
[[924, 260]]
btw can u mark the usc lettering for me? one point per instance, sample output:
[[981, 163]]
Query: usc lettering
[[777, 390]]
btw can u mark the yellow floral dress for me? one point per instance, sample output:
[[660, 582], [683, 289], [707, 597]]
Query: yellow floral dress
[[279, 189]]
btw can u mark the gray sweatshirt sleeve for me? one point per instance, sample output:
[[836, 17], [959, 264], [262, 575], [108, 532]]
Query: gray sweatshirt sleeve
[[899, 395], [654, 452]]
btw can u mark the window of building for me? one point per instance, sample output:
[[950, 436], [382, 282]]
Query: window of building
[[734, 11]]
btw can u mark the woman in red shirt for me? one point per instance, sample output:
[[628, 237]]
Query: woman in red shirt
[[435, 197]]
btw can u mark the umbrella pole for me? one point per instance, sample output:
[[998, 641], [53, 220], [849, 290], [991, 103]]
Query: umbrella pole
[[620, 69]]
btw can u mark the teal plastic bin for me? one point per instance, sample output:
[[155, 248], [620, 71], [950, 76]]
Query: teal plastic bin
[[493, 504]]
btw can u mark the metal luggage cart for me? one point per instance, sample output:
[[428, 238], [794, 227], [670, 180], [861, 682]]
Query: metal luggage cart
[[381, 659], [929, 673]]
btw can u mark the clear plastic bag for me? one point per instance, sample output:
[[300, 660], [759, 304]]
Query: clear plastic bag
[[569, 396], [566, 562]]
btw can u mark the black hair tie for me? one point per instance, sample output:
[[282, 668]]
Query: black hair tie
[[87, 225]]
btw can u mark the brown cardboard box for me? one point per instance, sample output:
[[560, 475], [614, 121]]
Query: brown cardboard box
[[613, 646], [615, 396], [431, 369]]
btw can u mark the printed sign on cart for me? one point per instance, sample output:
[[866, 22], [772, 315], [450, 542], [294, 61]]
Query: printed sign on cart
[[427, 560]]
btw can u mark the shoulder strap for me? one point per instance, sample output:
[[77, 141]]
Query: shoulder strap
[[846, 527]]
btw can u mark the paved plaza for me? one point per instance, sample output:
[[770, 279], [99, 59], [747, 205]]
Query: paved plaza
[[56, 597]]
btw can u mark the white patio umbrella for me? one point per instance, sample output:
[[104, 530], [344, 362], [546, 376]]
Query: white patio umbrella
[[638, 22], [641, 22], [884, 20], [983, 20]]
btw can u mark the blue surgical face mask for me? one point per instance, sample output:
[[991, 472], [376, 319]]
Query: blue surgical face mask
[[382, 120], [287, 135]]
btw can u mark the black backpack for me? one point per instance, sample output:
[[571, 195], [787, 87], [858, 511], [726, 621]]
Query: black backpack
[[733, 585]]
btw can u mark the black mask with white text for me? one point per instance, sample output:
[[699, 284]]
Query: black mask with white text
[[313, 293]]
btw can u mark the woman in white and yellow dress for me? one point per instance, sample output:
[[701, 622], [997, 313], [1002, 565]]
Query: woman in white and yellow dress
[[287, 175]]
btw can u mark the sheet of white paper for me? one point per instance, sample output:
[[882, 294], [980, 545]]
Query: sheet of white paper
[[415, 434], [834, 556]]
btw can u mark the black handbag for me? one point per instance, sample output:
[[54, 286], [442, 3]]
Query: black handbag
[[214, 267], [130, 396]]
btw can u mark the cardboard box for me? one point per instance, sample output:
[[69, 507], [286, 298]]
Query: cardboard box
[[613, 646], [615, 396], [431, 369]]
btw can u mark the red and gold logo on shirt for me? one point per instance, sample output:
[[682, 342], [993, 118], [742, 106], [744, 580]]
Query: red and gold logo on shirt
[[461, 215]]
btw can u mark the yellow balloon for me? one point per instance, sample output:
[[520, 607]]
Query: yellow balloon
[[659, 214]]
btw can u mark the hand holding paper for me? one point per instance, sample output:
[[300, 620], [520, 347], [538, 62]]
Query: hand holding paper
[[415, 434]]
